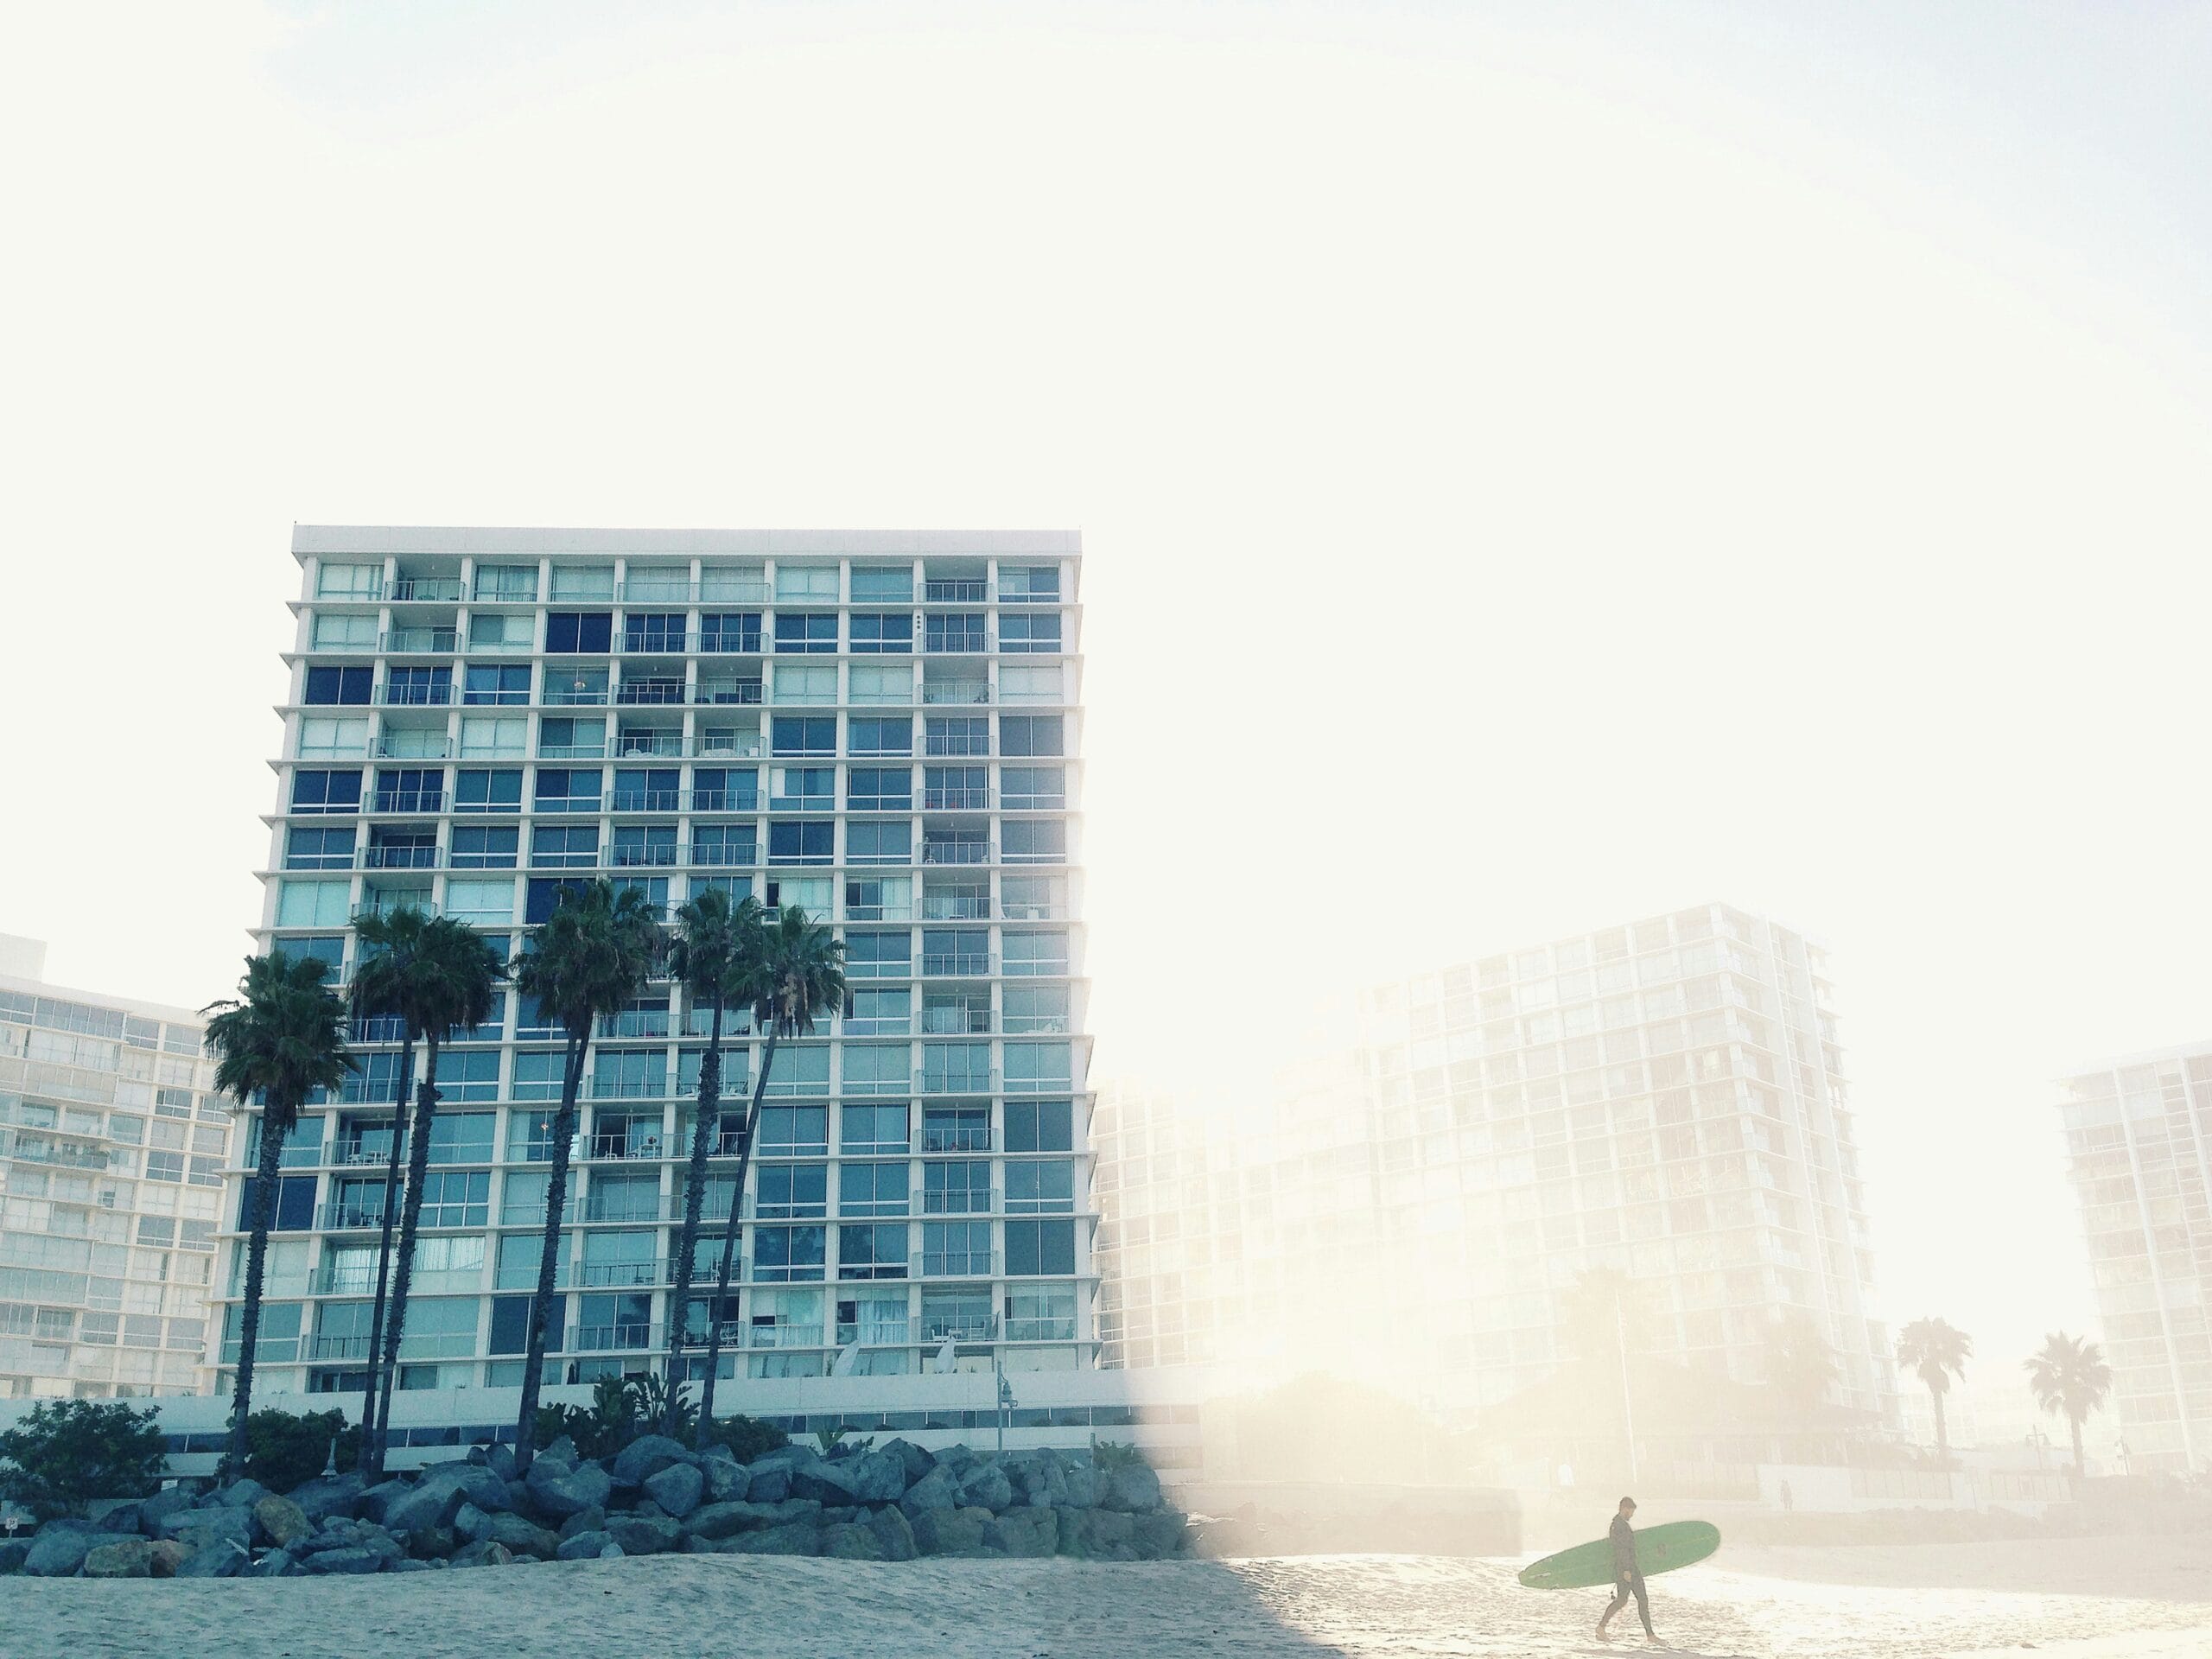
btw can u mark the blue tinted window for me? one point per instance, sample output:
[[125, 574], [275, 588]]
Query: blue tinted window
[[326, 791], [806, 631], [805, 734], [809, 842], [338, 685], [496, 683], [580, 630]]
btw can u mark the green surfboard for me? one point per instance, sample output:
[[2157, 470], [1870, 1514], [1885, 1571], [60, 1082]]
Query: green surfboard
[[1658, 1549]]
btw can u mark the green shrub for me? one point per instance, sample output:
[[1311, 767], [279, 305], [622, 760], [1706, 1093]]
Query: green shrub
[[68, 1451], [284, 1450], [747, 1438], [623, 1408], [1108, 1455]]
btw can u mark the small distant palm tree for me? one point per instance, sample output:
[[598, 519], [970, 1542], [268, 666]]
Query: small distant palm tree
[[436, 976], [796, 975], [2069, 1375], [717, 948], [1800, 1364], [281, 1037], [1938, 1351], [590, 959]]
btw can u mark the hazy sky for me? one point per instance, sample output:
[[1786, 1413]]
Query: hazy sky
[[1539, 466]]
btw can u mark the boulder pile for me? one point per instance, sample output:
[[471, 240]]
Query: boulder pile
[[657, 1496]]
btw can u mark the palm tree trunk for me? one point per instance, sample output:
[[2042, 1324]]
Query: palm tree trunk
[[257, 1260], [1942, 1441], [2080, 1471], [371, 1458], [410, 1221], [556, 1199], [695, 1198], [729, 1243]]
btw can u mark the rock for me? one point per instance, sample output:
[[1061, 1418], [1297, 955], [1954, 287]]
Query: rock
[[584, 1546], [722, 1519], [320, 1498], [166, 1502], [475, 1482], [560, 1489], [879, 1478], [726, 1479], [938, 1490], [563, 1450], [403, 1565], [522, 1537], [677, 1489], [433, 1541], [274, 1565], [281, 1522], [852, 1543], [219, 1560], [1103, 1533], [1038, 1480], [376, 1499], [646, 1456], [470, 1522], [959, 1459], [640, 1535], [126, 1558], [169, 1556], [346, 1562], [484, 1553], [827, 1484], [12, 1552], [1024, 1532], [425, 1507], [591, 1520], [917, 1462], [498, 1456], [771, 1484], [241, 1494], [950, 1532], [893, 1534], [786, 1457], [1133, 1488], [118, 1517], [1158, 1534], [1083, 1483], [613, 1551], [798, 1538], [198, 1527], [986, 1487]]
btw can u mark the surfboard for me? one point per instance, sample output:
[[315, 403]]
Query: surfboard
[[1658, 1549]]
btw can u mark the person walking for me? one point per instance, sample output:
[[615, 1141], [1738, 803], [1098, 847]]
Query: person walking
[[1628, 1579]]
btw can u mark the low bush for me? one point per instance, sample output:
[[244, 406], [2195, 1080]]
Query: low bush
[[284, 1450], [69, 1451]]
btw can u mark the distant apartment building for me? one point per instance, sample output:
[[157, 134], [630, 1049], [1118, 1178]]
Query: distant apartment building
[[1665, 1098], [882, 729], [2138, 1130], [111, 1157]]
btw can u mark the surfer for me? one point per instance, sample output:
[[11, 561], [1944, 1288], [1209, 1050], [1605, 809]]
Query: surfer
[[1628, 1579]]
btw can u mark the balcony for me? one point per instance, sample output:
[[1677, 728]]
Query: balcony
[[876, 1333], [727, 693], [412, 695], [956, 800], [957, 744], [783, 1335], [627, 744], [675, 587], [617, 1205], [650, 691], [954, 852], [399, 858], [959, 964], [633, 857], [442, 642], [573, 750], [656, 644], [956, 1022], [627, 1275], [1040, 1330], [962, 592], [958, 1137], [575, 696], [350, 1216], [724, 854], [426, 590], [744, 745], [976, 909], [322, 1347], [958, 1082], [635, 1022], [955, 691], [414, 745], [618, 1338]]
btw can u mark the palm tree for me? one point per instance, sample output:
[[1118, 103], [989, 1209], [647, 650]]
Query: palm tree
[[436, 976], [717, 946], [590, 958], [1938, 1351], [797, 974], [281, 1037], [2069, 1375]]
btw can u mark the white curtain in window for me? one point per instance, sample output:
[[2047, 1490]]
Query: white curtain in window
[[313, 904]]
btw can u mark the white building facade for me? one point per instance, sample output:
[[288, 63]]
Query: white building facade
[[2138, 1143], [882, 727], [111, 1157]]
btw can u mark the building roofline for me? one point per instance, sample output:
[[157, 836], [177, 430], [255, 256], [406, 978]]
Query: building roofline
[[315, 539], [102, 1000], [2146, 1057]]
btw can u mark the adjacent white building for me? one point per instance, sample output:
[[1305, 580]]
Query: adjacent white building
[[112, 1160], [2137, 1131], [882, 727]]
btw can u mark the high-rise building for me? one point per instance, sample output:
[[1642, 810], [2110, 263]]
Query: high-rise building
[[882, 729], [111, 1159], [1664, 1099], [2138, 1130]]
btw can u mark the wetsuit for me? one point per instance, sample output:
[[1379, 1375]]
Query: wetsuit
[[1627, 1579]]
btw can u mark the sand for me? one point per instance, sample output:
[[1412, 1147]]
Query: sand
[[2103, 1599]]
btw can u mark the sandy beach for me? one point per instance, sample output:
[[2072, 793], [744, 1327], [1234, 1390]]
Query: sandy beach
[[2102, 1599]]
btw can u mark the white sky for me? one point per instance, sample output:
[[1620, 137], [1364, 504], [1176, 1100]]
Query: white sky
[[1534, 472]]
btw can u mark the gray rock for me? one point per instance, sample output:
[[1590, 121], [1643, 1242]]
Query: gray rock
[[728, 1481], [1133, 1488], [986, 1487], [1038, 1480], [198, 1527], [118, 1517], [126, 1558], [521, 1536], [852, 1543], [477, 1483], [879, 1478], [959, 1459], [559, 1489], [584, 1546], [498, 1456], [640, 1535], [484, 1553], [646, 1456], [221, 1559], [405, 1566], [722, 1519], [169, 1556], [1105, 1533], [827, 1484], [1024, 1532], [591, 1520], [786, 1457], [166, 1502], [346, 1562], [242, 1494], [892, 1533], [677, 1489], [434, 1541], [426, 1506], [768, 1484], [1158, 1534], [376, 1499], [938, 1490], [950, 1532], [470, 1522], [563, 1450], [12, 1552], [281, 1522], [1083, 1485], [798, 1538], [613, 1551], [274, 1565], [320, 1499], [917, 1462]]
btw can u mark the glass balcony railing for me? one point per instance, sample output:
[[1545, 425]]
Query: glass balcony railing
[[441, 590]]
